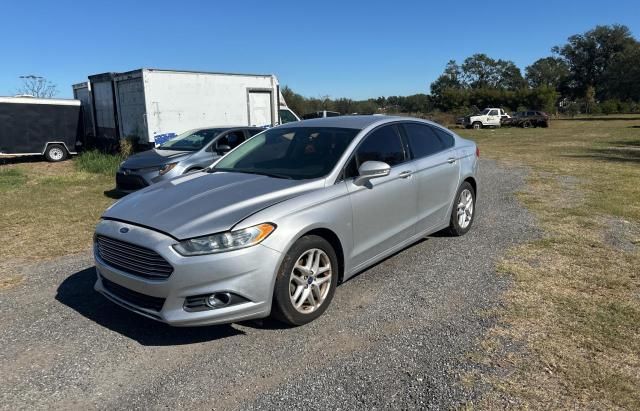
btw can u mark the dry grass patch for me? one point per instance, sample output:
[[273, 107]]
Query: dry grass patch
[[570, 333], [50, 212]]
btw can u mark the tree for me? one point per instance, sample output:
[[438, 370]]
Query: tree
[[547, 72], [622, 78], [37, 86], [480, 71], [509, 75], [449, 79], [589, 55]]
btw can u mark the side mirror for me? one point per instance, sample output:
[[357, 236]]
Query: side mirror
[[223, 149], [372, 169]]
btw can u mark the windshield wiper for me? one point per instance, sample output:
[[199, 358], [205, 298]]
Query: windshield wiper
[[261, 173]]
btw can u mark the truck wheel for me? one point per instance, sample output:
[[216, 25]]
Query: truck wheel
[[477, 125], [55, 153]]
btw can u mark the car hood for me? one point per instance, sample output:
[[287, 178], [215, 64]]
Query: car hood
[[204, 203], [154, 157]]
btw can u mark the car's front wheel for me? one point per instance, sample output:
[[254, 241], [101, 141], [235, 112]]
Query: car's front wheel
[[306, 281], [477, 125]]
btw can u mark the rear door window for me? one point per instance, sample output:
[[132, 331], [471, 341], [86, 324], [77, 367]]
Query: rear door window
[[423, 140], [447, 138]]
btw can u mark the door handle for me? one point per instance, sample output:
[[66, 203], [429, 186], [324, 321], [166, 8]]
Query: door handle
[[405, 174], [451, 160]]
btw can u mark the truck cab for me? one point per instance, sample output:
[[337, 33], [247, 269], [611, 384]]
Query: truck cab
[[286, 115], [489, 117]]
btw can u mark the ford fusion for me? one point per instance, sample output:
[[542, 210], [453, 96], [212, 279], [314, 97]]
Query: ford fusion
[[276, 224]]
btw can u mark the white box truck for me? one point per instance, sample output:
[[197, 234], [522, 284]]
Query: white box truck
[[151, 106]]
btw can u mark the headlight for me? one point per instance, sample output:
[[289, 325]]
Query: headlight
[[168, 167], [218, 243]]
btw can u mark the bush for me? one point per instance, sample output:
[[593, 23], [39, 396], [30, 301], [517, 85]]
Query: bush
[[98, 163], [609, 107]]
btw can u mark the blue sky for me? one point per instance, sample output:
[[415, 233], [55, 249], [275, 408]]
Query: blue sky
[[337, 48]]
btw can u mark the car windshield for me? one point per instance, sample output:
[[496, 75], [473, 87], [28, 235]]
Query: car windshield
[[294, 153], [485, 111], [192, 140]]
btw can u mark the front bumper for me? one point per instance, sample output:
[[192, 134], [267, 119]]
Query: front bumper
[[248, 273], [132, 180]]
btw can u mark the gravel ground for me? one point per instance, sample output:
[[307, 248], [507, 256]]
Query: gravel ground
[[395, 336]]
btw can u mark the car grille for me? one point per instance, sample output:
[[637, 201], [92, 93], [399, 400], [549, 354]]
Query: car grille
[[129, 182], [133, 297], [133, 259]]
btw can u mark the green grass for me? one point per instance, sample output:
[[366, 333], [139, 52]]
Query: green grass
[[98, 163], [11, 179]]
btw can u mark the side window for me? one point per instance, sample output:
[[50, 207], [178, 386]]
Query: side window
[[423, 140], [231, 139], [286, 116], [447, 139], [252, 132], [493, 113], [384, 144]]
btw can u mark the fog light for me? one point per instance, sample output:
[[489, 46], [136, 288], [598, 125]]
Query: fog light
[[218, 300]]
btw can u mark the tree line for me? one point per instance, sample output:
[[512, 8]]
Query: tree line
[[594, 72]]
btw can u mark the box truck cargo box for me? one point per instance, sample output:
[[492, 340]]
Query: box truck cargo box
[[36, 126], [150, 106], [82, 92]]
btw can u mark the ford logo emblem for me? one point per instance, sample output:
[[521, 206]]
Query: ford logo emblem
[[124, 230]]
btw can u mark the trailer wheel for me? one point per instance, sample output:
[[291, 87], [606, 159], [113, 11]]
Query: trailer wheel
[[55, 153]]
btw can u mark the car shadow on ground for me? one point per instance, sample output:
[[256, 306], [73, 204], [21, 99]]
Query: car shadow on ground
[[77, 292]]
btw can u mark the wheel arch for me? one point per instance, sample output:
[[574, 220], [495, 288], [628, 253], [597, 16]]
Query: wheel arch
[[471, 180], [61, 143], [335, 242]]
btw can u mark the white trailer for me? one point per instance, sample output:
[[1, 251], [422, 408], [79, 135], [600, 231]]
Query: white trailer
[[154, 105]]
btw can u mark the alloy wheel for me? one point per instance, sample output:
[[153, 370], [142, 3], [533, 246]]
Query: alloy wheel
[[310, 281], [465, 208]]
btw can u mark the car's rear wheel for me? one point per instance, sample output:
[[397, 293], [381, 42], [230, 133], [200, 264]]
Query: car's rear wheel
[[477, 125], [526, 124], [55, 153], [306, 281], [463, 211]]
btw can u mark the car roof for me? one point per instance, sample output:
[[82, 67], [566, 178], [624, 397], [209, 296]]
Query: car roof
[[357, 122]]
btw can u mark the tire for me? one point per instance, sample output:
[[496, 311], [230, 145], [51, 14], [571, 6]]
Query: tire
[[458, 227], [55, 153], [477, 125], [526, 124], [292, 281]]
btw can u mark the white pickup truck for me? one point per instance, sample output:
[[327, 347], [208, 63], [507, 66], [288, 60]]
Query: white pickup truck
[[489, 117]]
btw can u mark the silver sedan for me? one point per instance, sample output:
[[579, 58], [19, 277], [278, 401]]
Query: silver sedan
[[276, 224]]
